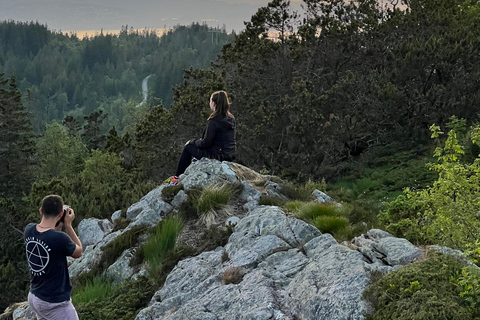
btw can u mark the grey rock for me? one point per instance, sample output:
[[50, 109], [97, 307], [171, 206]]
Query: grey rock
[[141, 273], [330, 286], [117, 214], [152, 200], [263, 232], [399, 251], [322, 197], [250, 205], [23, 312], [120, 271], [232, 221], [207, 171], [319, 244], [378, 234], [179, 198], [249, 193], [148, 217], [92, 230], [454, 253], [273, 189], [91, 256], [282, 266]]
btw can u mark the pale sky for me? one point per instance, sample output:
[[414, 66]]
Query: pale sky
[[74, 15]]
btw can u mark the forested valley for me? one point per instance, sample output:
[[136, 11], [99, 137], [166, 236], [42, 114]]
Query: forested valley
[[349, 93]]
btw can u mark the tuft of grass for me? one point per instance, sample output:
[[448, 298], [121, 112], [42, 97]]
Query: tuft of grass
[[214, 197], [330, 224], [312, 210], [98, 288], [161, 241], [210, 200]]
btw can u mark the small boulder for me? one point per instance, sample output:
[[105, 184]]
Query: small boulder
[[92, 230]]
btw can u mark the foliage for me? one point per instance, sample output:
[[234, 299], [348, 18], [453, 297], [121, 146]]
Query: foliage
[[446, 213], [16, 157], [161, 242], [101, 188], [64, 75], [470, 281], [422, 290], [59, 153]]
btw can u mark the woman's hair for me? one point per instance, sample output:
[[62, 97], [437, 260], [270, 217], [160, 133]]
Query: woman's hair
[[222, 104]]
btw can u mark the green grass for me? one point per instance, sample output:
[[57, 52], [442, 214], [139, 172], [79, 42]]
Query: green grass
[[213, 197], [161, 241], [330, 224], [98, 288]]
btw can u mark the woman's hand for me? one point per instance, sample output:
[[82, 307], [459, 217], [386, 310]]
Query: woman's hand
[[189, 142]]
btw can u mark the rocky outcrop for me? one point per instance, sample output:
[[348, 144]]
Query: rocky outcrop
[[273, 267], [91, 231], [285, 269]]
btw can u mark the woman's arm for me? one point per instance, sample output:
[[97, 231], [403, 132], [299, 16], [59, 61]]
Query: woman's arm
[[209, 137]]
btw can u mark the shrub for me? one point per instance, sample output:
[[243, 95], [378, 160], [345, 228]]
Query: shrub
[[421, 291], [99, 287], [161, 241], [448, 212]]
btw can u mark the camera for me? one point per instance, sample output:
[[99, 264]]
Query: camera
[[62, 219]]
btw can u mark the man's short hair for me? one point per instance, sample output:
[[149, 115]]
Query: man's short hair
[[52, 205]]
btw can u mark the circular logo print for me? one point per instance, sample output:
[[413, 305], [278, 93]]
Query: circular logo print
[[37, 256]]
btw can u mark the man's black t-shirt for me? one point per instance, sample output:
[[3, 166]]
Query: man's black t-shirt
[[46, 255]]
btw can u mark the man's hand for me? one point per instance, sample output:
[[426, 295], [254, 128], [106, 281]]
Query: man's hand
[[69, 217]]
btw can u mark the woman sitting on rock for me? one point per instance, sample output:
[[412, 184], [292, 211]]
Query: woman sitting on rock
[[218, 140]]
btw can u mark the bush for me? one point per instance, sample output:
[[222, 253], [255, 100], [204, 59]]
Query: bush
[[448, 212], [169, 192], [421, 291]]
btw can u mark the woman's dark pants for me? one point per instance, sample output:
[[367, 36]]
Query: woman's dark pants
[[189, 151]]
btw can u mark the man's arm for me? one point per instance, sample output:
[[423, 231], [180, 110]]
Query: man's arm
[[77, 253]]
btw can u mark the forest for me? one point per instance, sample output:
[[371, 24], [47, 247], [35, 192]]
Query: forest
[[349, 93]]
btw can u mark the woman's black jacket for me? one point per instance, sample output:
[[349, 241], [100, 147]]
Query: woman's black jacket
[[219, 138]]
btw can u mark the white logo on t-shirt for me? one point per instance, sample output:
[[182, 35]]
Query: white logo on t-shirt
[[37, 255]]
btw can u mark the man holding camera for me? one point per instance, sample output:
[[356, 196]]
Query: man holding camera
[[47, 248]]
